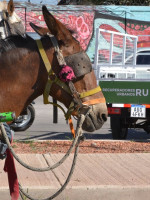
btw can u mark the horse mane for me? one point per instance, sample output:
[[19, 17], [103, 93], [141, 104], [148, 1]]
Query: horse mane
[[14, 41], [18, 41]]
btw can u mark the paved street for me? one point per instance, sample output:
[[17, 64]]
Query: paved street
[[44, 129]]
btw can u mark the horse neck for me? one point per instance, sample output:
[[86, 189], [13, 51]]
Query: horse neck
[[26, 78], [23, 76]]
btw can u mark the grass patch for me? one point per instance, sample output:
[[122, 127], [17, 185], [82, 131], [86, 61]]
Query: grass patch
[[24, 142], [14, 146]]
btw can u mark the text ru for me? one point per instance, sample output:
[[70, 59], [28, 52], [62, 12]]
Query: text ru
[[142, 92]]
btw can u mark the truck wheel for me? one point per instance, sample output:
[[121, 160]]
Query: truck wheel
[[119, 131]]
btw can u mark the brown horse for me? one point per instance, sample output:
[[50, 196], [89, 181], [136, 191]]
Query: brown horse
[[10, 22], [23, 76]]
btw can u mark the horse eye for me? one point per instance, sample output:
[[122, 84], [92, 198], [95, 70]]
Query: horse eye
[[61, 43]]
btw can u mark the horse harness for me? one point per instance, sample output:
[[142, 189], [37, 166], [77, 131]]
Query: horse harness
[[78, 64], [4, 26]]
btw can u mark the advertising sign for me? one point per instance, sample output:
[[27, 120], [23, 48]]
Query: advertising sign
[[132, 92]]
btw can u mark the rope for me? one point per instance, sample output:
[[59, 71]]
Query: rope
[[75, 142], [66, 182], [78, 130], [35, 168]]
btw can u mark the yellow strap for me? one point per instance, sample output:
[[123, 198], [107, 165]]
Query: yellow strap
[[48, 68], [62, 85], [49, 83], [46, 92], [44, 56], [90, 92], [46, 95]]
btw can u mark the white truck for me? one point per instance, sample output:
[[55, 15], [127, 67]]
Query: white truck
[[122, 67]]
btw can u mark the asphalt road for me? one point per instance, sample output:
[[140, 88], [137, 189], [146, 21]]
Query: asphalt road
[[44, 129]]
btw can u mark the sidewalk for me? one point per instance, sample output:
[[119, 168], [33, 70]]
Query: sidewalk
[[96, 177]]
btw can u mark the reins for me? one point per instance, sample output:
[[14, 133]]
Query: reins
[[75, 144]]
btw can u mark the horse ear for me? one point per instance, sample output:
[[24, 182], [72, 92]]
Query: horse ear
[[56, 27], [40, 30], [10, 7]]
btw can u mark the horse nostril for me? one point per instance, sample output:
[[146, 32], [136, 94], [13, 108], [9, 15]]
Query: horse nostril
[[104, 117]]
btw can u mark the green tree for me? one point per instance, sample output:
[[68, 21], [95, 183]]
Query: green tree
[[116, 2]]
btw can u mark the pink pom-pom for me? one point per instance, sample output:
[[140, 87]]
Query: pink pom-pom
[[66, 74]]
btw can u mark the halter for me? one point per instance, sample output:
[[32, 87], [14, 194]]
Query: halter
[[73, 61], [4, 26]]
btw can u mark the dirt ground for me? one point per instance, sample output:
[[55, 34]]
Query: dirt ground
[[87, 146]]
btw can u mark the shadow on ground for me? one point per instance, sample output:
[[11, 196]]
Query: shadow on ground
[[133, 134]]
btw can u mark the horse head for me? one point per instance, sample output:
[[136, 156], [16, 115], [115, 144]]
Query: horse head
[[70, 78], [83, 87], [10, 21]]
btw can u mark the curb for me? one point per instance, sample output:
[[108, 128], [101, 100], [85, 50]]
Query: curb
[[89, 193], [96, 177]]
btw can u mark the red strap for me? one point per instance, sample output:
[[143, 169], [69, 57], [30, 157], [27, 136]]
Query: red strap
[[10, 168]]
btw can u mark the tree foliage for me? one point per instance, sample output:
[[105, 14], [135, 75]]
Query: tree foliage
[[108, 2], [121, 2]]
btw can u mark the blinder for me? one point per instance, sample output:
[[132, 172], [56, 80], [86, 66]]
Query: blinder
[[72, 66], [80, 63], [5, 29]]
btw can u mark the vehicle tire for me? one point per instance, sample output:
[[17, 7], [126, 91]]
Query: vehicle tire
[[23, 122], [119, 130]]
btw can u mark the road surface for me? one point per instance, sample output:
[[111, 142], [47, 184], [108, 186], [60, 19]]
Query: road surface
[[44, 129]]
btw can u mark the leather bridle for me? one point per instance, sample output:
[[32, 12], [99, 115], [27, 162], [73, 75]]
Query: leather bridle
[[77, 103]]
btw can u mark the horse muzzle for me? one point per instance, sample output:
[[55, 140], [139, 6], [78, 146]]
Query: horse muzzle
[[95, 118]]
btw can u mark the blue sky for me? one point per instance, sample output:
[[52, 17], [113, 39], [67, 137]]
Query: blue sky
[[52, 2]]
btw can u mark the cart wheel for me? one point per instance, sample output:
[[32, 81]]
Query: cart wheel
[[119, 131]]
